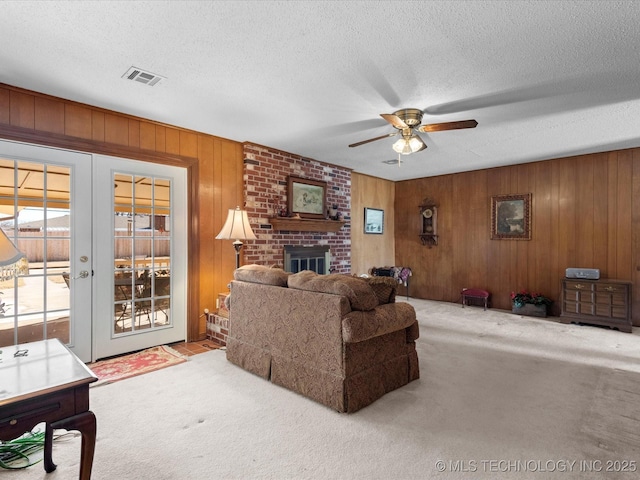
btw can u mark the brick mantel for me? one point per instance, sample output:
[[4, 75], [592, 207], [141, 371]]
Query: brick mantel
[[265, 180]]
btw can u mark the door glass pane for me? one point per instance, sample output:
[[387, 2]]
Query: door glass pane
[[142, 246], [34, 215], [123, 196], [57, 181]]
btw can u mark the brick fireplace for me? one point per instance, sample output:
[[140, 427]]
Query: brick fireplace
[[265, 178]]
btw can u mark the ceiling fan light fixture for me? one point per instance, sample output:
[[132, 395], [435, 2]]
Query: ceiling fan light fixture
[[407, 146], [401, 146], [416, 144]]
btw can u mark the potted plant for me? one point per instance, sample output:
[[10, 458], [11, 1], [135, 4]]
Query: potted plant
[[530, 304]]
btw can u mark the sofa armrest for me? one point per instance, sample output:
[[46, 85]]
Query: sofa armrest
[[359, 326]]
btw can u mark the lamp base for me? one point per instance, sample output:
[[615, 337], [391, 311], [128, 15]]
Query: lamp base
[[238, 246]]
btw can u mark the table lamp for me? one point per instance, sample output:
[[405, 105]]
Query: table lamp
[[237, 228]]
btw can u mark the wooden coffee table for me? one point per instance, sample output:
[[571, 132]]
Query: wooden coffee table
[[45, 382]]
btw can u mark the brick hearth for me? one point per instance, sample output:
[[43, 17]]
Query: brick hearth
[[217, 329]]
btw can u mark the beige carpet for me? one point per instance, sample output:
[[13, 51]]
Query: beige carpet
[[500, 397]]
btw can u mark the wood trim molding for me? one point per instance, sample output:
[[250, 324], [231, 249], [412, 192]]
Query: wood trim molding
[[26, 135], [193, 254]]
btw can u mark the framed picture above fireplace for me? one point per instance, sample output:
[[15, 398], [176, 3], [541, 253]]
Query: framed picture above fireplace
[[373, 220], [306, 197]]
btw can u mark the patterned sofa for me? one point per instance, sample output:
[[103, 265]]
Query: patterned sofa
[[340, 340]]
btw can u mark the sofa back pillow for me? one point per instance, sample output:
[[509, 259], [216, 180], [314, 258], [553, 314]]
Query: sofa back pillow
[[262, 274], [357, 290], [384, 287]]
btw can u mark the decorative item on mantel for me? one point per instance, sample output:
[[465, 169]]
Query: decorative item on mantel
[[332, 212], [529, 304]]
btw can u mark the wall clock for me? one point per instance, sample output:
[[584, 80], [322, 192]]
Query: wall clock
[[429, 221]]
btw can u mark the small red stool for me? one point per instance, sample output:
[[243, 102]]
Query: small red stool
[[474, 293]]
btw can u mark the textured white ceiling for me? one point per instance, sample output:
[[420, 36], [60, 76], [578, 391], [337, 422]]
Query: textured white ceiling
[[543, 79]]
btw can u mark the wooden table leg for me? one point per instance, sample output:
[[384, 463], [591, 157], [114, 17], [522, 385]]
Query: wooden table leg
[[49, 466], [85, 423]]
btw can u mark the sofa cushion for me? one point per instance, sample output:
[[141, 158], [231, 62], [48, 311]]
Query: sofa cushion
[[384, 287], [262, 274], [360, 295]]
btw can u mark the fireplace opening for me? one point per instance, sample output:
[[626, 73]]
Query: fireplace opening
[[315, 257]]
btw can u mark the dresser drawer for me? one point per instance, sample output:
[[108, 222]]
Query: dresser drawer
[[577, 285], [612, 288], [611, 311], [579, 308], [619, 299], [15, 419]]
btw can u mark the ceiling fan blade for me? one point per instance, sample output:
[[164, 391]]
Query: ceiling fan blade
[[394, 120], [373, 139], [439, 127]]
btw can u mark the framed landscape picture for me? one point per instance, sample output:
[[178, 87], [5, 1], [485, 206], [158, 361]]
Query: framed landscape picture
[[511, 217], [306, 197], [373, 220]]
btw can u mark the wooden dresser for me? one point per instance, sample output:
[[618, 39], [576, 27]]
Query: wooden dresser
[[599, 302]]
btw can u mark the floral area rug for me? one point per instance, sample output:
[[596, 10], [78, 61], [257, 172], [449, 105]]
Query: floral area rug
[[126, 366]]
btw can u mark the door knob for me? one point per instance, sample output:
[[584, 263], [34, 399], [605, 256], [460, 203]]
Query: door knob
[[82, 274]]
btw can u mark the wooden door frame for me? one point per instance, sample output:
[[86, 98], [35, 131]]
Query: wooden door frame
[[26, 135]]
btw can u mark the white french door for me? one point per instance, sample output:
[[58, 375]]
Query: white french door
[[140, 251], [44, 211], [105, 244]]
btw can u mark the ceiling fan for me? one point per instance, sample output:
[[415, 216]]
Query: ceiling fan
[[406, 121]]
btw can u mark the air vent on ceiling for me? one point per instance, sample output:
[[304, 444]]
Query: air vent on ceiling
[[141, 76], [393, 161]]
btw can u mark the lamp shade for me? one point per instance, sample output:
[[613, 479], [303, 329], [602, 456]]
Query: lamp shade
[[236, 227], [9, 254]]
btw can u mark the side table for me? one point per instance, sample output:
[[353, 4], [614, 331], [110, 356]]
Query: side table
[[45, 382]]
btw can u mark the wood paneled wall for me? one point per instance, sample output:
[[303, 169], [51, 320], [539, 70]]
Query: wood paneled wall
[[369, 250], [214, 168], [585, 213]]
